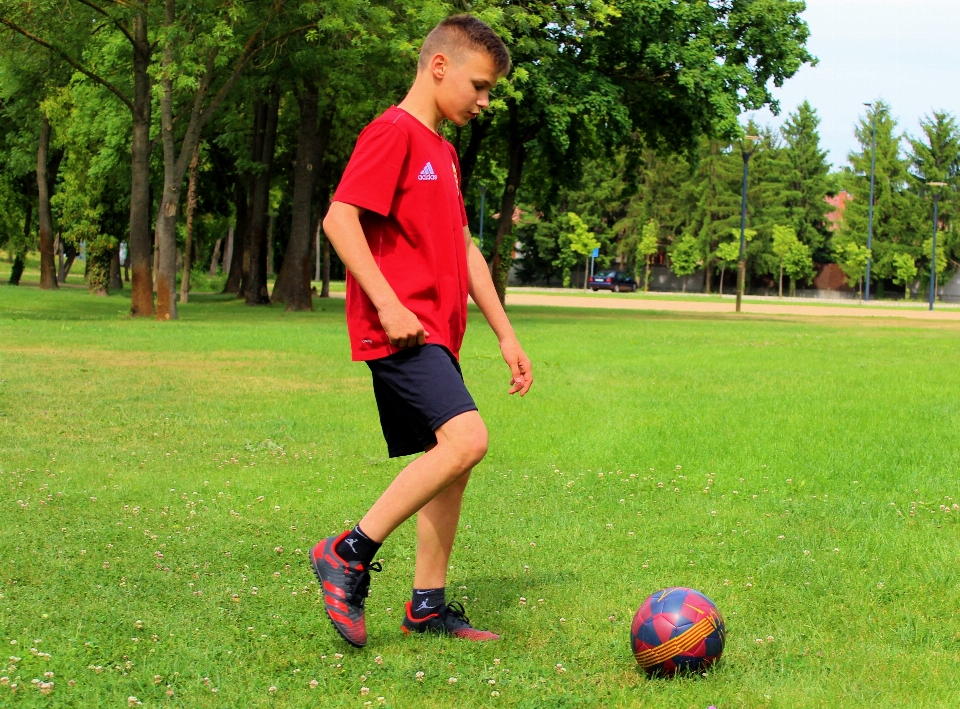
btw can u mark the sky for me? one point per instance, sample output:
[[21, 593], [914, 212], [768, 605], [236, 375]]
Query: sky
[[906, 52]]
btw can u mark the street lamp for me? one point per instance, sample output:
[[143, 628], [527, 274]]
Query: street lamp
[[742, 270], [873, 166], [483, 195], [933, 248]]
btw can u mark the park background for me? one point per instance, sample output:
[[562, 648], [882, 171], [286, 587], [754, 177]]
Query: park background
[[621, 129], [163, 474]]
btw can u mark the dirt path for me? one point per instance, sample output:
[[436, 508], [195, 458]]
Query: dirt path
[[573, 301]]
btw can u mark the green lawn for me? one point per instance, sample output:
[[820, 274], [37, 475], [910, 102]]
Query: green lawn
[[163, 481]]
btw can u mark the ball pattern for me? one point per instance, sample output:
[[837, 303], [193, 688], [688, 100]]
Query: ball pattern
[[677, 630]]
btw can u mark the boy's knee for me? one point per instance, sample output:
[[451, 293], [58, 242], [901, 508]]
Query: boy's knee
[[466, 435]]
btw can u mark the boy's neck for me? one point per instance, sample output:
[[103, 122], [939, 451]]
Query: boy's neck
[[420, 103]]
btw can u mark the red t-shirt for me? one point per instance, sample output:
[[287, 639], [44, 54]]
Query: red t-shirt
[[407, 178]]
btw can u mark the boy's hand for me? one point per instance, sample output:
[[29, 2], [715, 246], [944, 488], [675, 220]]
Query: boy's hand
[[402, 326], [519, 364]]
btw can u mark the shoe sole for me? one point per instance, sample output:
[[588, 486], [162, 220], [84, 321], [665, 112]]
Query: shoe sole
[[316, 572]]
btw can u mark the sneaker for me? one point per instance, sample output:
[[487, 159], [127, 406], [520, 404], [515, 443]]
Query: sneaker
[[451, 619], [345, 585]]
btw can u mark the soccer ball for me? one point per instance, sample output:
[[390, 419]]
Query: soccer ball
[[677, 630]]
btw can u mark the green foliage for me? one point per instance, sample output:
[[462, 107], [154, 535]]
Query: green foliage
[[728, 252], [852, 259], [798, 264], [806, 181], [578, 241], [685, 258], [927, 250], [904, 271], [784, 237], [899, 217]]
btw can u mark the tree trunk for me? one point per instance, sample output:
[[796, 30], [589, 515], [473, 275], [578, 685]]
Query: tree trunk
[[188, 245], [70, 252], [175, 165], [468, 160], [141, 290], [706, 277], [722, 269], [255, 291], [116, 280], [646, 275], [780, 294], [503, 245], [293, 282], [325, 271], [215, 261], [19, 259], [48, 276], [233, 258]]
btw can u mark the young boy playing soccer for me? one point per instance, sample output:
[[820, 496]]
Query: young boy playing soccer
[[398, 222]]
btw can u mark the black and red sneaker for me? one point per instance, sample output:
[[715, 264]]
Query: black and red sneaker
[[344, 585], [451, 620]]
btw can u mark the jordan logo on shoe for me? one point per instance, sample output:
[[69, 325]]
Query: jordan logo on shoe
[[424, 606], [427, 173], [351, 542]]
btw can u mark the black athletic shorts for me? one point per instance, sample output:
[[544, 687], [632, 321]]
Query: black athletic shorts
[[418, 389]]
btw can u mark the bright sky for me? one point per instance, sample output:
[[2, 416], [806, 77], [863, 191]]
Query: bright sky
[[906, 52]]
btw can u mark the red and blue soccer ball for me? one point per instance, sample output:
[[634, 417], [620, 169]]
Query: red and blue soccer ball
[[677, 630]]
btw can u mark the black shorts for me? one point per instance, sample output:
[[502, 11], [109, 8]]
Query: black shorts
[[418, 389]]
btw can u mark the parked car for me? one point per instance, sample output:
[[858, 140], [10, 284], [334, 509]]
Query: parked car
[[617, 281]]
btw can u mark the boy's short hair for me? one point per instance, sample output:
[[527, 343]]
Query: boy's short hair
[[459, 32]]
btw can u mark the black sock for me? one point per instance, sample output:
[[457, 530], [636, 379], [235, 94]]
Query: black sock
[[357, 546], [426, 601]]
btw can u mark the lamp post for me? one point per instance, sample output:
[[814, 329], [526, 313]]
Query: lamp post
[[873, 167], [742, 270], [483, 195], [933, 248]]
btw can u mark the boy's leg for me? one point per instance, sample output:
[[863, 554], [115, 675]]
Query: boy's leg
[[461, 444], [436, 529]]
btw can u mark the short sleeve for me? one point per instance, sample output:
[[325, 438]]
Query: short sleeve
[[371, 177]]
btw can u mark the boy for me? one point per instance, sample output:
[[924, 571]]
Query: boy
[[398, 222]]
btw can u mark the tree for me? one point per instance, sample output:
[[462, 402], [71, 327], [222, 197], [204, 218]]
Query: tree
[[578, 241], [807, 180], [647, 247], [798, 263], [711, 197], [727, 253], [852, 258], [668, 70], [784, 238], [935, 157], [899, 217], [84, 34], [686, 258], [904, 271]]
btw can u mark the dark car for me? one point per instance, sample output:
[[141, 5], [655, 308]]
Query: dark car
[[617, 281]]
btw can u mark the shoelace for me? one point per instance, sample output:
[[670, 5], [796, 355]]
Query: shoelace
[[457, 611], [359, 595]]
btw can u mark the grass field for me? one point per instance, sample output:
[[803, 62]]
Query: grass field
[[162, 483]]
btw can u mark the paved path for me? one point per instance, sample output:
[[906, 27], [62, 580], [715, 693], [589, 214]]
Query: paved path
[[687, 306]]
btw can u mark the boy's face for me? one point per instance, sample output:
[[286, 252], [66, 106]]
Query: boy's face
[[462, 84]]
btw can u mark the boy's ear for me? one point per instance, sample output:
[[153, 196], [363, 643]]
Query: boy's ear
[[438, 65]]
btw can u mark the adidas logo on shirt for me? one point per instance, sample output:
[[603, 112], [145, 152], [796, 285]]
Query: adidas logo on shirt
[[427, 173]]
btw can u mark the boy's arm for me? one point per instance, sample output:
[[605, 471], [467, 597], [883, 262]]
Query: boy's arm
[[485, 296], [342, 227]]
